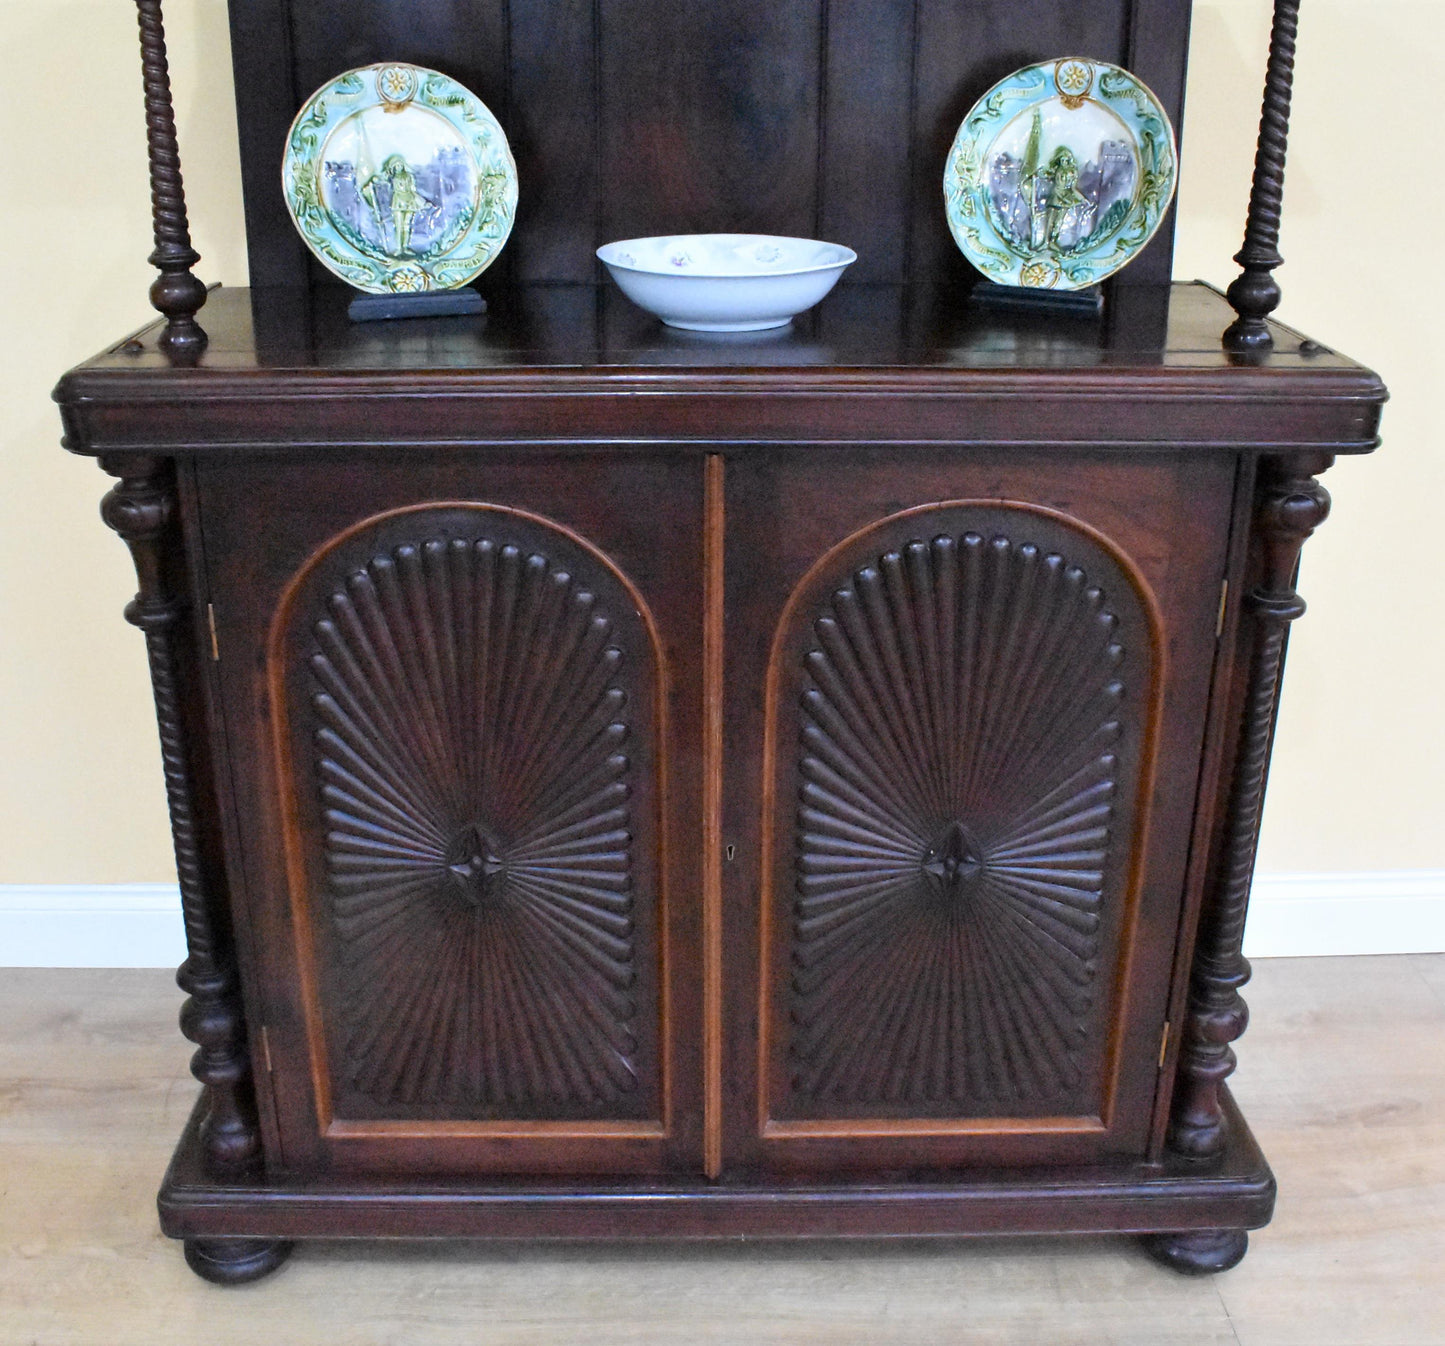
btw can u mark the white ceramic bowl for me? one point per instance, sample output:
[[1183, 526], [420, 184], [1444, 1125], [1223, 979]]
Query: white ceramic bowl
[[725, 282]]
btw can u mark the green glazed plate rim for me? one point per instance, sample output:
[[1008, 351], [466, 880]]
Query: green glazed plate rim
[[399, 86], [974, 223]]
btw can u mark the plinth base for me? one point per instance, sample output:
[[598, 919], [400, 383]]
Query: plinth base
[[1178, 1199]]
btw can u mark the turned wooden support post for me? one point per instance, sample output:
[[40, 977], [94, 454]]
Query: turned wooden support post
[[1291, 505], [1255, 292], [142, 508], [177, 293]]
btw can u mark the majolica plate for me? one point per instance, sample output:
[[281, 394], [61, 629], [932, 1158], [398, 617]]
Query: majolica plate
[[399, 179], [1060, 174]]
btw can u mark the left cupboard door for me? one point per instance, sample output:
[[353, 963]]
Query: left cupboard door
[[452, 694]]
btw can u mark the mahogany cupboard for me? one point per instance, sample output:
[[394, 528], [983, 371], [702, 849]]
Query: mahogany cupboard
[[632, 785]]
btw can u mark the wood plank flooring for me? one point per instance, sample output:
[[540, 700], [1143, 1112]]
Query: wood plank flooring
[[1342, 1076]]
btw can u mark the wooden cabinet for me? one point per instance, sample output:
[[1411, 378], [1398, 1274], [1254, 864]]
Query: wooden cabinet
[[631, 785], [805, 797]]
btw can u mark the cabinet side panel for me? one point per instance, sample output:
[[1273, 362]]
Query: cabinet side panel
[[243, 922], [266, 101]]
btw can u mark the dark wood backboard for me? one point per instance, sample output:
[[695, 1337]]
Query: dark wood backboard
[[821, 118]]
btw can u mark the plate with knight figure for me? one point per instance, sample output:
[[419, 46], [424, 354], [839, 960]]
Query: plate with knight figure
[[399, 179], [1060, 174]]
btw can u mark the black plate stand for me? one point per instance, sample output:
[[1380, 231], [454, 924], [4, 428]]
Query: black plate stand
[[429, 304], [1019, 297]]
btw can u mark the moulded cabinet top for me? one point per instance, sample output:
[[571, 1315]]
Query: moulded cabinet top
[[880, 362]]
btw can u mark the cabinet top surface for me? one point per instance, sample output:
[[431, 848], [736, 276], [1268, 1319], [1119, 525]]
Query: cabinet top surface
[[593, 328], [286, 368]]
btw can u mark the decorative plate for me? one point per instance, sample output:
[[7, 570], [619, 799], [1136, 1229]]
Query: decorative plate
[[1059, 175], [399, 179]]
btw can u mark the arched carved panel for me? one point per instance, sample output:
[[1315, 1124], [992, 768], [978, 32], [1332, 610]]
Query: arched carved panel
[[962, 709], [471, 698]]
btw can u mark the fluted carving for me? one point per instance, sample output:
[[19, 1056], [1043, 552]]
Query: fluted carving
[[176, 292], [470, 723], [959, 767], [1255, 292], [1291, 505], [141, 508]]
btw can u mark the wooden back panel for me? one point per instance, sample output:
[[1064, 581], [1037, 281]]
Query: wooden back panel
[[821, 118]]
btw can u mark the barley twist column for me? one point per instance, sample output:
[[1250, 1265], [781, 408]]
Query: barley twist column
[[1255, 293], [176, 292]]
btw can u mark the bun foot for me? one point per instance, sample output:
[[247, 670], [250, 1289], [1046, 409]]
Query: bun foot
[[235, 1261], [1198, 1252]]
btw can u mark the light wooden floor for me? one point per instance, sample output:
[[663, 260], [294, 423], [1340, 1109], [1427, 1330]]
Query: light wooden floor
[[1343, 1078]]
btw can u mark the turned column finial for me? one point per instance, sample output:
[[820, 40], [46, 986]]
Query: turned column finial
[[1255, 293], [176, 292]]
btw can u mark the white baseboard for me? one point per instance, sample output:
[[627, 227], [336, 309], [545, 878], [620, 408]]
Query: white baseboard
[[1378, 911], [1290, 915], [91, 925]]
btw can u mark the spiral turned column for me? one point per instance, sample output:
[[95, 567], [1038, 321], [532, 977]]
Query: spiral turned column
[[141, 508], [1255, 292], [177, 293], [1291, 505]]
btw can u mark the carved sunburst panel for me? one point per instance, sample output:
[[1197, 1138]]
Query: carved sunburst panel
[[959, 736], [471, 715]]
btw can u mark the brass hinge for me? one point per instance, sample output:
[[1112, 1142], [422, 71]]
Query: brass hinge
[[1164, 1045], [1223, 600], [211, 623], [266, 1048]]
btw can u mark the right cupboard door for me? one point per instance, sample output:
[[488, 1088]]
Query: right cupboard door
[[967, 695]]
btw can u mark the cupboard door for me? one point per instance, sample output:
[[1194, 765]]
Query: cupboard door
[[981, 706], [455, 763]]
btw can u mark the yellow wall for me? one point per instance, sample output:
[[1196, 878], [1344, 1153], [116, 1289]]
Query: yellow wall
[[1362, 736]]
